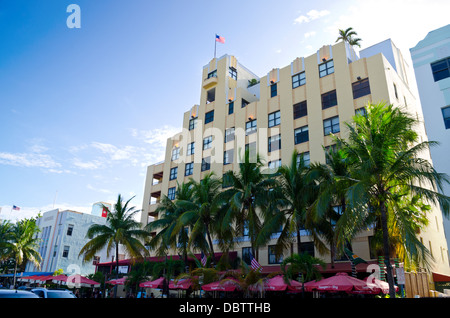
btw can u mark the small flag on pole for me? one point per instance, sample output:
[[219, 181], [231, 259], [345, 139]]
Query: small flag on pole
[[15, 208], [220, 39], [203, 259], [254, 264]]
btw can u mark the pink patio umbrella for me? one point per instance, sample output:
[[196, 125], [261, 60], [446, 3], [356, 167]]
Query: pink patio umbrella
[[278, 283], [228, 285], [342, 282], [118, 281], [157, 283], [181, 284], [82, 281], [382, 285]]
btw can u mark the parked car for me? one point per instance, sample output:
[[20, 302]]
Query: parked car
[[15, 293], [53, 293]]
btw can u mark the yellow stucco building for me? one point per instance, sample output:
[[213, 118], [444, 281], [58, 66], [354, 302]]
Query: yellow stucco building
[[294, 107]]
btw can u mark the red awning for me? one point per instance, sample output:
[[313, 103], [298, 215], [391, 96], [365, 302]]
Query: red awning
[[440, 278]]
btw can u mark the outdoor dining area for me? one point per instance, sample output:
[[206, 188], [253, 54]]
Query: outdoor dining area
[[339, 285]]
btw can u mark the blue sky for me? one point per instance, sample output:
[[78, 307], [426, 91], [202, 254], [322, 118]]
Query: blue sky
[[84, 111]]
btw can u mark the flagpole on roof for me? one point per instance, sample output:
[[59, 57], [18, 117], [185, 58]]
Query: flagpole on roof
[[215, 45]]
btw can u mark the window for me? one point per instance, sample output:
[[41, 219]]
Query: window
[[70, 230], [308, 248], [207, 142], [209, 117], [329, 99], [233, 73], [244, 103], [251, 148], [66, 251], [441, 69], [212, 74], [175, 153], [326, 68], [247, 255], [300, 110], [331, 125], [230, 108], [171, 193], [361, 111], [192, 123], [191, 148], [328, 151], [173, 173], [274, 119], [250, 127], [229, 134], [446, 114], [226, 181], [301, 135], [273, 90], [273, 165], [206, 163], [361, 88], [274, 143], [298, 80], [210, 95], [395, 91], [228, 156], [306, 159], [273, 259], [189, 169]]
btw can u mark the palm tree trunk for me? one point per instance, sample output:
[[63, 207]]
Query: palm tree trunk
[[15, 273], [117, 268], [389, 273], [213, 258], [299, 241]]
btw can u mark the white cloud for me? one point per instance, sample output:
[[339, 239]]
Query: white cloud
[[310, 34], [90, 187], [311, 15], [88, 165], [28, 160]]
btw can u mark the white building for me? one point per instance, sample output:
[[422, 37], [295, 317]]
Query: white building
[[431, 62], [63, 234]]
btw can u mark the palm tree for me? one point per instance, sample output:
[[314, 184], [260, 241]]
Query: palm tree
[[385, 157], [293, 196], [121, 228], [169, 212], [304, 265], [200, 212], [347, 35], [330, 202], [247, 200], [23, 244]]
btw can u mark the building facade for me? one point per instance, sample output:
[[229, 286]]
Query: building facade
[[431, 62], [294, 107], [62, 235]]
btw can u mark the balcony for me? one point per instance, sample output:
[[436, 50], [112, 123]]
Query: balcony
[[209, 82]]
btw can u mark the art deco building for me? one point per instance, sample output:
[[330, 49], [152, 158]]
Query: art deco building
[[294, 107]]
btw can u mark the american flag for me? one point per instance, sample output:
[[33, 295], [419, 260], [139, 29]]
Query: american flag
[[254, 264], [220, 39], [16, 208], [203, 259]]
